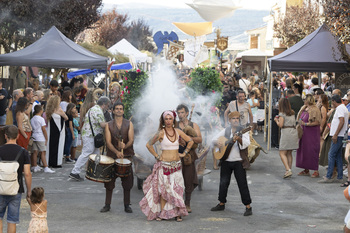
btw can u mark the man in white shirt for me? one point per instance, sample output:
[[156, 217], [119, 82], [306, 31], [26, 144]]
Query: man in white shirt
[[233, 162], [338, 128], [244, 84]]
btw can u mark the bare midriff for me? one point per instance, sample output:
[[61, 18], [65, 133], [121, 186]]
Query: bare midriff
[[170, 155]]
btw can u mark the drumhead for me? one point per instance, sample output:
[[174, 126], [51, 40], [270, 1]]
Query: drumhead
[[104, 159], [123, 161]]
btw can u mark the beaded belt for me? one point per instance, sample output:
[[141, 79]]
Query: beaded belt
[[171, 167]]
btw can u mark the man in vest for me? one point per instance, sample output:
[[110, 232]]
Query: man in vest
[[188, 168], [233, 161], [119, 134]]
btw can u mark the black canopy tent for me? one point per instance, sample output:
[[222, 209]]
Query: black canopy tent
[[318, 52], [54, 50]]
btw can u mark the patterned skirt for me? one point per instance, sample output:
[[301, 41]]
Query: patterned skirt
[[170, 187]]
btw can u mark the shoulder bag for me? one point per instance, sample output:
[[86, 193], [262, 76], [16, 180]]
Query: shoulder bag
[[98, 139]]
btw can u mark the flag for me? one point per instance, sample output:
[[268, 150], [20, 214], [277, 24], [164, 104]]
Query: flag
[[174, 49], [192, 49]]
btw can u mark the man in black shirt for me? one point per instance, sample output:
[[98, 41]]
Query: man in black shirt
[[8, 152]]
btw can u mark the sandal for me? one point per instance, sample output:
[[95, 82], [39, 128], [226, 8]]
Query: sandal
[[304, 173], [158, 219], [287, 174], [178, 219], [346, 184], [316, 174]]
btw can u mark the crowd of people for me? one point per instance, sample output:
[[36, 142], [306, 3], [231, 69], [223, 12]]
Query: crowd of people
[[313, 120]]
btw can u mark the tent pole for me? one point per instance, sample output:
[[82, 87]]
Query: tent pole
[[106, 83], [270, 115], [266, 72]]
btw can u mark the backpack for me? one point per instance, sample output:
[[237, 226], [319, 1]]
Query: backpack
[[8, 176]]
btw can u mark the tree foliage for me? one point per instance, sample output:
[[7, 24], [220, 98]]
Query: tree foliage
[[337, 17], [113, 27], [101, 50], [23, 22], [139, 35], [110, 28], [134, 82], [297, 23], [206, 82]]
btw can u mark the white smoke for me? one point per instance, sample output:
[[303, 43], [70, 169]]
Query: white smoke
[[161, 93]]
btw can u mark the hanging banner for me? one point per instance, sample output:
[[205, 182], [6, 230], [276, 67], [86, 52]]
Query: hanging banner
[[202, 55], [192, 48], [222, 44], [174, 49]]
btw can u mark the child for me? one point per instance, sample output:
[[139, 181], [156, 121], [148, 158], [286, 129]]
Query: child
[[75, 130], [39, 136], [254, 104], [69, 132], [38, 208]]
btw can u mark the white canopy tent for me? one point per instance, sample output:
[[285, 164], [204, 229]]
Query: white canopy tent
[[124, 47]]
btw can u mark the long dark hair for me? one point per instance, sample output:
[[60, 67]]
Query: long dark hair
[[284, 107], [21, 104], [162, 122], [70, 107]]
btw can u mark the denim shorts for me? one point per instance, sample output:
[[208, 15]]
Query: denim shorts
[[13, 204], [3, 119], [75, 142]]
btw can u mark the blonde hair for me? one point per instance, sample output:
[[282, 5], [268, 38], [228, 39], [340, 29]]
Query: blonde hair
[[88, 103], [310, 99], [52, 104]]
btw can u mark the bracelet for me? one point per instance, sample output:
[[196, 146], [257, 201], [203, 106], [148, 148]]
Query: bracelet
[[158, 157]]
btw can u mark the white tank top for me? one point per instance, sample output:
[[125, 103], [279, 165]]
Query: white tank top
[[168, 145]]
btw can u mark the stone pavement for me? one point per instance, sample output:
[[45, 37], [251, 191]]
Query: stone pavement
[[298, 204]]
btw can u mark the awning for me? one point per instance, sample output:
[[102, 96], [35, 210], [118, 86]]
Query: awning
[[195, 29], [122, 66]]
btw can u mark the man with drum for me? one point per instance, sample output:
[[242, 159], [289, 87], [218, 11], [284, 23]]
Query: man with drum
[[95, 118], [119, 139], [188, 166]]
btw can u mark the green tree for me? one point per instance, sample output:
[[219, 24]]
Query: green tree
[[110, 28], [140, 34], [337, 17], [297, 23], [23, 22], [205, 81], [134, 82]]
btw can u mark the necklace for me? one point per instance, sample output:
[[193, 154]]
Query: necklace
[[169, 136]]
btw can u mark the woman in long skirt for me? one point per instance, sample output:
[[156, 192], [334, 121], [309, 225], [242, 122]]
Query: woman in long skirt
[[55, 131]]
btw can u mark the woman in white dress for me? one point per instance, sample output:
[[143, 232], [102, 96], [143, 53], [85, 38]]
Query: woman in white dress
[[55, 131]]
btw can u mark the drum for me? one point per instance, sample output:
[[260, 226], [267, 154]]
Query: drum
[[102, 171], [122, 167]]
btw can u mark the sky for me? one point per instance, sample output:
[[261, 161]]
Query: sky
[[246, 4]]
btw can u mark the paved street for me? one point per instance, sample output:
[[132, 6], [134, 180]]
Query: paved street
[[299, 204]]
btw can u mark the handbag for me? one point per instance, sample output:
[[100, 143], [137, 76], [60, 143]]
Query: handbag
[[300, 131], [98, 139]]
